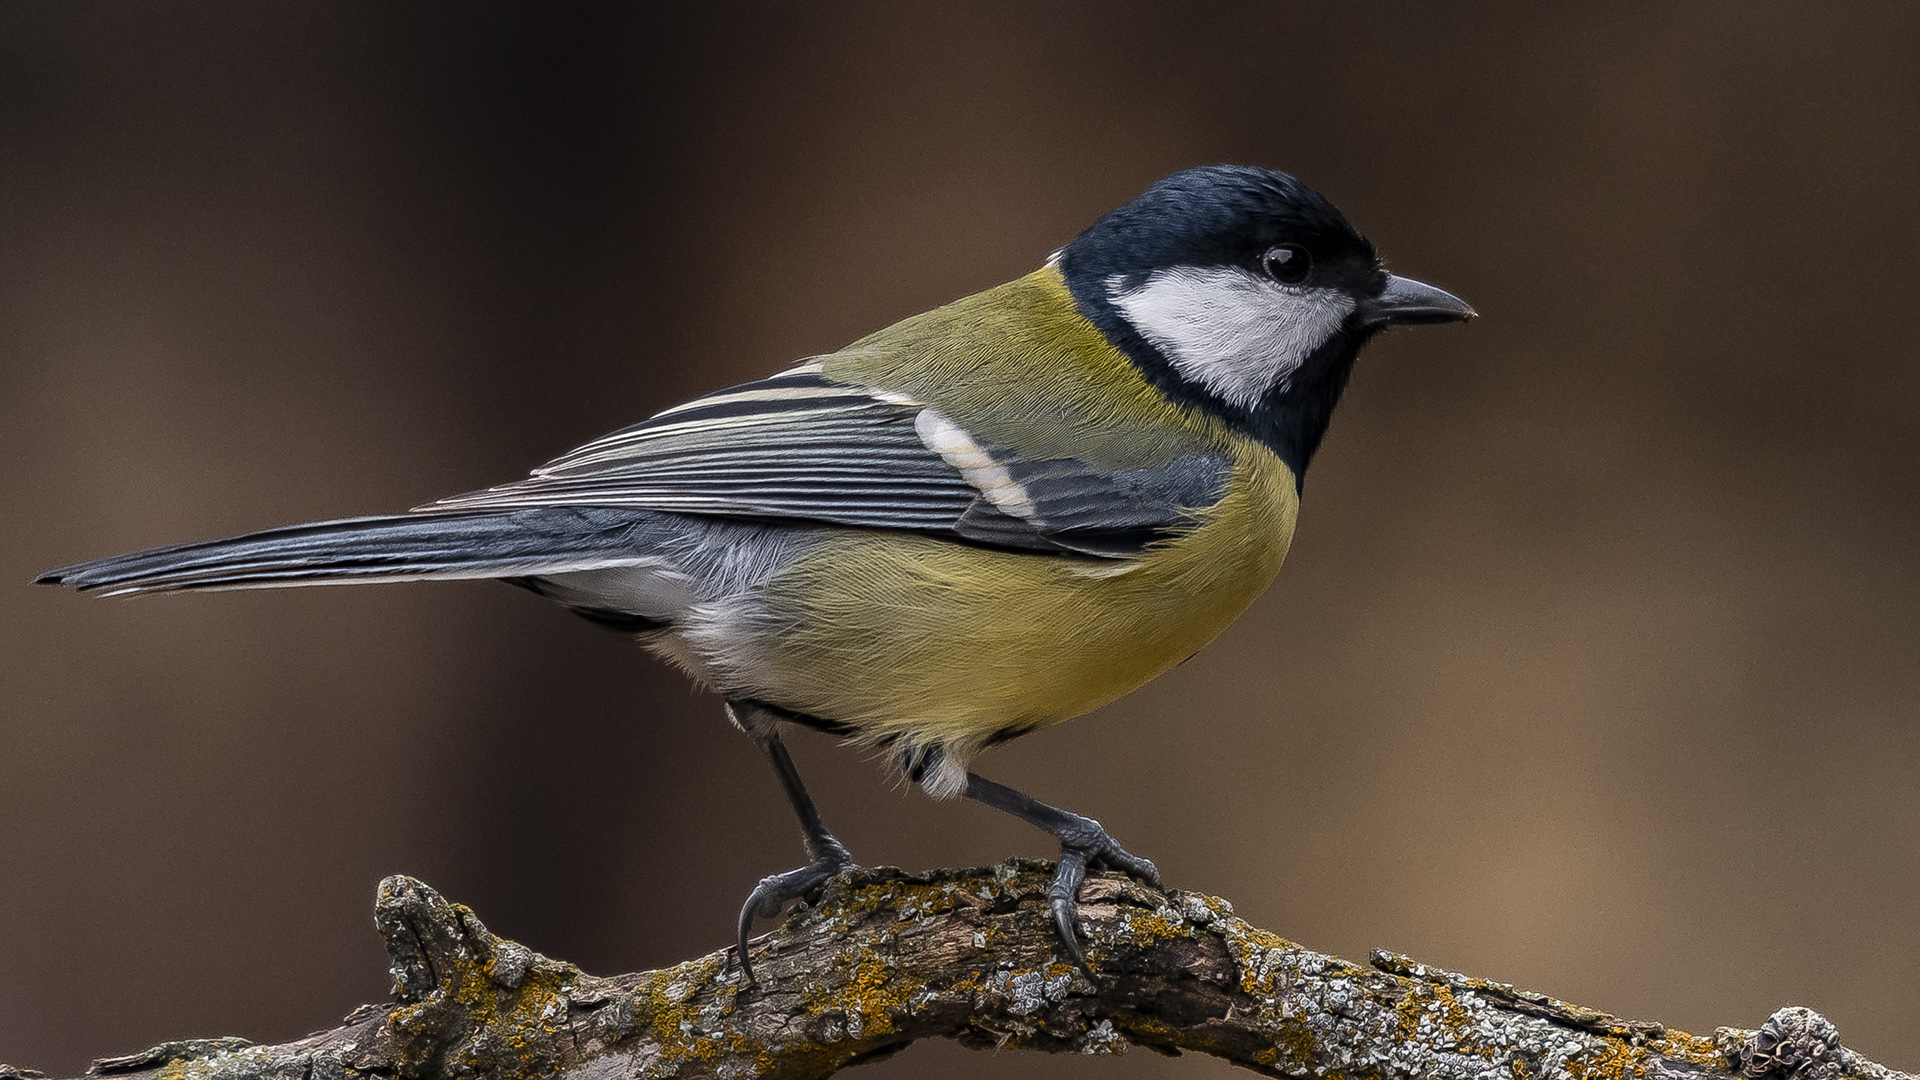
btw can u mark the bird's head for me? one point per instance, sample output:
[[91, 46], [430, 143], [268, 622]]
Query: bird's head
[[1244, 292]]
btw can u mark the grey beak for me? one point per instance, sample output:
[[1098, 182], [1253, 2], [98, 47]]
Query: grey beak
[[1407, 301]]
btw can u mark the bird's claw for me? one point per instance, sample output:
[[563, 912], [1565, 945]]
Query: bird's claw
[[775, 890], [1083, 845]]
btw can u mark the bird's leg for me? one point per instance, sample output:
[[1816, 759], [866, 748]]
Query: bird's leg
[[828, 855], [1083, 843]]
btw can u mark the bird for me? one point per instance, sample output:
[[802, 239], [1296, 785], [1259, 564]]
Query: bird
[[982, 520]]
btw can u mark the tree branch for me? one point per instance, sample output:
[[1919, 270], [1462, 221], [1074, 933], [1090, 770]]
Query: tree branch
[[887, 958]]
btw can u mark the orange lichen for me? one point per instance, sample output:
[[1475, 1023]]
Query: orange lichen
[[1613, 1059]]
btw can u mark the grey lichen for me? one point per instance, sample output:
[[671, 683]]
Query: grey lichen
[[1795, 1043], [181, 1050]]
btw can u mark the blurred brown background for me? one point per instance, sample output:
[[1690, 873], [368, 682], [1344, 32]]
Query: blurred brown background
[[1594, 667]]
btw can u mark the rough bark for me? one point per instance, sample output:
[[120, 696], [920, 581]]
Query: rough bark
[[886, 958]]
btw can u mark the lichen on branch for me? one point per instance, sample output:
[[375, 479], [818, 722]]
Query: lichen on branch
[[886, 958]]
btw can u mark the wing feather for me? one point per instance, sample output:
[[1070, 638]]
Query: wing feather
[[800, 446]]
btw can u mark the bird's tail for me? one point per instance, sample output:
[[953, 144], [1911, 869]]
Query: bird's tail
[[372, 549]]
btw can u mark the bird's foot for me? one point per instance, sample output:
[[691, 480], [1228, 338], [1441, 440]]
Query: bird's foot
[[1085, 844], [775, 890]]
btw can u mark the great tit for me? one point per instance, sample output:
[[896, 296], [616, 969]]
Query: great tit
[[984, 519]]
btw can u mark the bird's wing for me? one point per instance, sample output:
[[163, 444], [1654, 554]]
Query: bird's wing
[[800, 446]]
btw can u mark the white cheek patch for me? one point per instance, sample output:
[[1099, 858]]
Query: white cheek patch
[[1236, 333]]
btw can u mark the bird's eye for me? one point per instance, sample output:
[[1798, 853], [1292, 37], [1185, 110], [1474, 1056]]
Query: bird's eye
[[1289, 264]]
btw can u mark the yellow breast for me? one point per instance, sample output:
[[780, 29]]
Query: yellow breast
[[923, 641]]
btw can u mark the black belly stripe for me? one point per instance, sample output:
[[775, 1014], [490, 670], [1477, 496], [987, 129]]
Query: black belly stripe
[[817, 723]]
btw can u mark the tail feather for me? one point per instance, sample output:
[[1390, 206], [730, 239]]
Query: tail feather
[[373, 549]]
